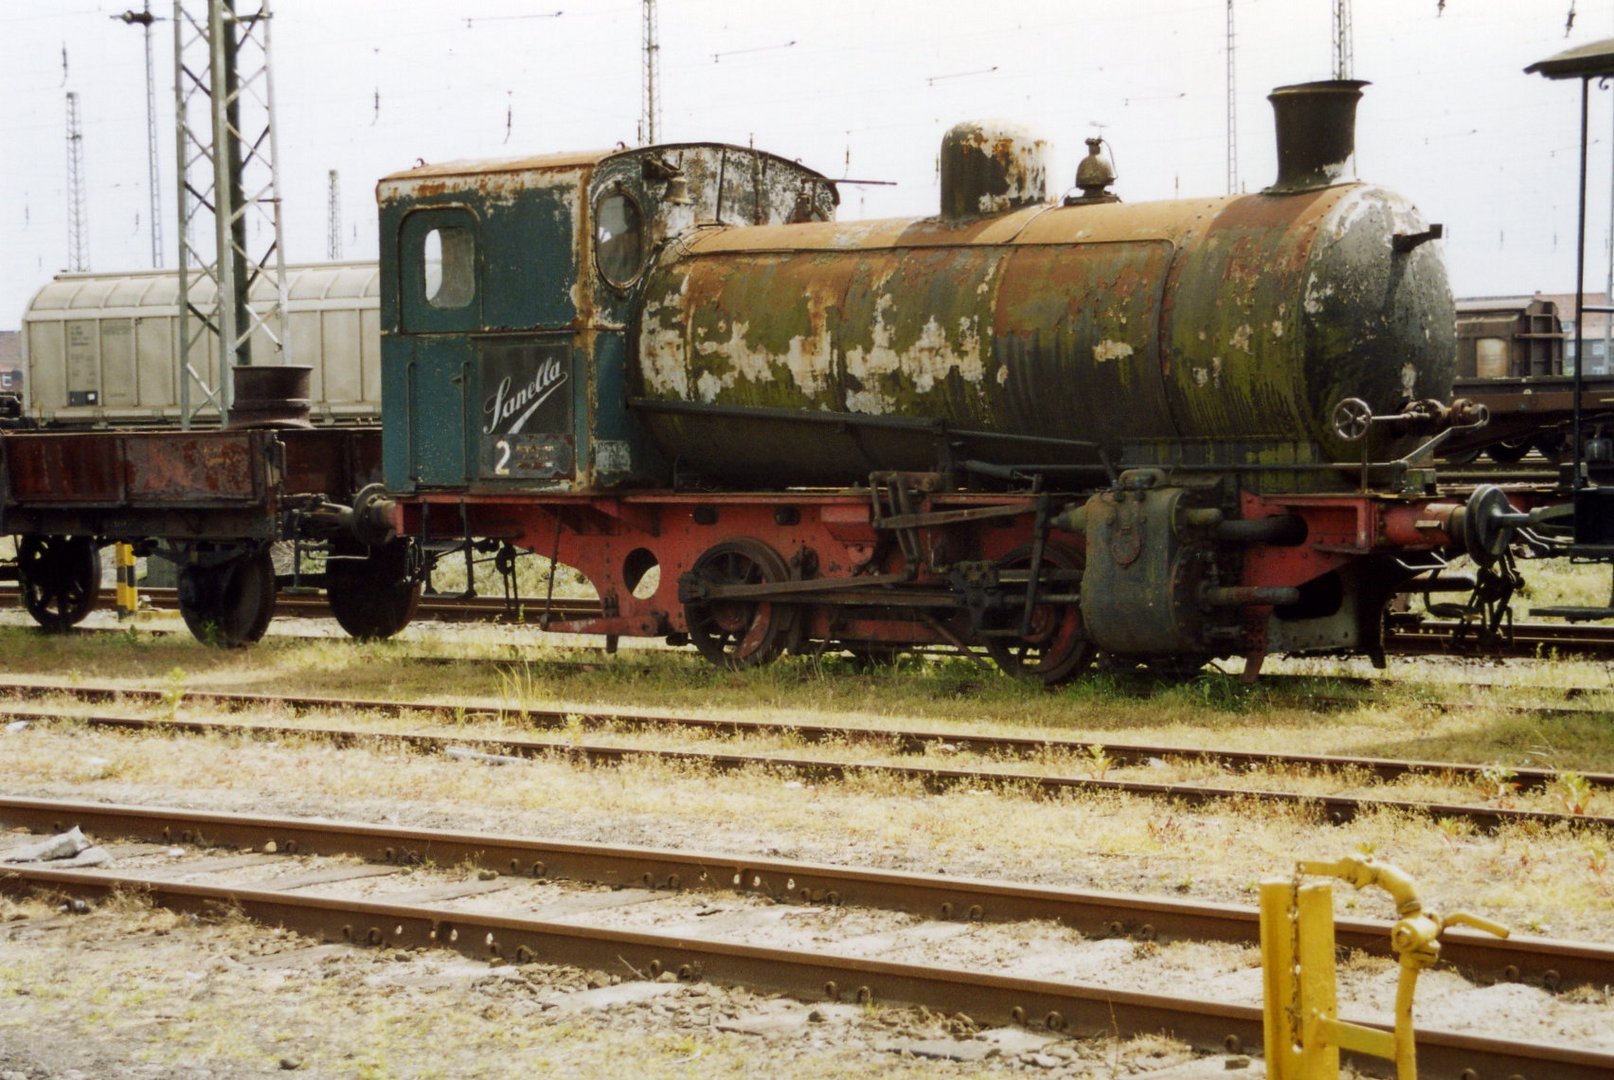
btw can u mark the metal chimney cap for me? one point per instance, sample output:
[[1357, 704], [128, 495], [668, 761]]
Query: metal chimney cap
[[1316, 129], [1320, 86]]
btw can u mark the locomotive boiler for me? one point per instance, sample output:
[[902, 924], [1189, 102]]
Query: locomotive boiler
[[1225, 329]]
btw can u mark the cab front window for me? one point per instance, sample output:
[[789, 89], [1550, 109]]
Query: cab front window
[[618, 238]]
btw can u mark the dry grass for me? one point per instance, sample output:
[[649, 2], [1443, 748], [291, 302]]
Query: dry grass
[[185, 1002], [1560, 583]]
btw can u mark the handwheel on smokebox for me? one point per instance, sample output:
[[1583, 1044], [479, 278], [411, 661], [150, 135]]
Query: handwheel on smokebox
[[1055, 648], [229, 604], [59, 578], [737, 632], [372, 594]]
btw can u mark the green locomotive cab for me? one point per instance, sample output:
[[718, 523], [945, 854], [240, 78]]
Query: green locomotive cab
[[507, 293]]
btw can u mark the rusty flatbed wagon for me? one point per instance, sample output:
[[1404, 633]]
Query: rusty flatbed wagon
[[210, 501]]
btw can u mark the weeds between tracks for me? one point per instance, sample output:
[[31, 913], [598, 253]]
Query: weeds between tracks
[[1535, 877]]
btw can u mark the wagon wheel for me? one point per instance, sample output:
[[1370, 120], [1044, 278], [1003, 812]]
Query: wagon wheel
[[229, 604], [59, 578], [1556, 448], [1056, 648], [1507, 452], [736, 633], [372, 595]]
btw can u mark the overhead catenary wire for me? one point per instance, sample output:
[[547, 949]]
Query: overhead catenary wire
[[471, 21], [717, 56]]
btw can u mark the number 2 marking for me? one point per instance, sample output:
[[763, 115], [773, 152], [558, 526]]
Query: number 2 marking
[[502, 466]]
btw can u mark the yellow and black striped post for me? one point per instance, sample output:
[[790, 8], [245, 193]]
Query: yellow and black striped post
[[123, 559]]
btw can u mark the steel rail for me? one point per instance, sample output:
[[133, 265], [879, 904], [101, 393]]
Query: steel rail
[[1072, 1008], [905, 740], [1524, 640], [1296, 683], [1403, 639], [437, 607], [1552, 963], [1467, 476], [1337, 808]]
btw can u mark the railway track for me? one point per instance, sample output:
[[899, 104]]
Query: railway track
[[257, 887], [311, 604], [1523, 640], [904, 740], [1551, 963], [1534, 472], [1427, 637], [1334, 807]]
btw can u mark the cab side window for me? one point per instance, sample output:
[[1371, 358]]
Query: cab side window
[[439, 265], [448, 266]]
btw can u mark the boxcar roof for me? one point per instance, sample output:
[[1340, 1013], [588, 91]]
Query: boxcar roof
[[158, 290]]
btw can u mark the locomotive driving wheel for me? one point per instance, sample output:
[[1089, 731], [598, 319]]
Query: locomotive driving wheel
[[229, 604], [737, 632], [372, 594], [59, 578], [1055, 647]]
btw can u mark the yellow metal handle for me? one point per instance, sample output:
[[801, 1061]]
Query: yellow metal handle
[[1463, 918], [1362, 871]]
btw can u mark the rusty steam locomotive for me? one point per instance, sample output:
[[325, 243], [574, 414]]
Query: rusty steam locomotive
[[1158, 431], [1163, 432]]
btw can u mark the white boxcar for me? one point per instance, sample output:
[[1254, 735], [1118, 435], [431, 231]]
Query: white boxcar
[[102, 350]]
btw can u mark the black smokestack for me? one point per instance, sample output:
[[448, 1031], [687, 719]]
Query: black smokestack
[[1316, 132]]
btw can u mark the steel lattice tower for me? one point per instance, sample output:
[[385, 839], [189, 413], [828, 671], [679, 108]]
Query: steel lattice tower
[[78, 224], [1232, 112], [650, 118], [224, 105], [1343, 60], [153, 176], [333, 219]]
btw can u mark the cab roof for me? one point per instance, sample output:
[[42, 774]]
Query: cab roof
[[483, 166], [581, 159]]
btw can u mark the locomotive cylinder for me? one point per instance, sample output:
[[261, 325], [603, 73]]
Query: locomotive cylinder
[[1228, 326]]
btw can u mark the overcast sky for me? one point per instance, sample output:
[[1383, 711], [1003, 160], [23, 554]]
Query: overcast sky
[[859, 88]]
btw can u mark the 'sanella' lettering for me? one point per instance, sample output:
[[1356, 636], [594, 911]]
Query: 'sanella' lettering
[[504, 405]]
